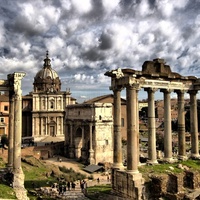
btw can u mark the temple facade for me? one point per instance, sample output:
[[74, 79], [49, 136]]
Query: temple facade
[[44, 108]]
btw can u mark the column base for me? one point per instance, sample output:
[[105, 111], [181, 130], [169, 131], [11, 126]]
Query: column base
[[195, 156], [9, 166], [133, 172], [152, 162], [71, 152], [18, 178], [118, 166], [183, 158], [169, 160], [91, 157]]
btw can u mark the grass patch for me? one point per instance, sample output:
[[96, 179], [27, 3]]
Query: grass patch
[[71, 175], [7, 192], [96, 191], [164, 168]]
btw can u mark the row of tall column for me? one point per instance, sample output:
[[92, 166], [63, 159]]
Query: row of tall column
[[133, 127]]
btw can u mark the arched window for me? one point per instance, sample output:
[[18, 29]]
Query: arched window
[[52, 104]]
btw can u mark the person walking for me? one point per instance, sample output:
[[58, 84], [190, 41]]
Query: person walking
[[68, 185], [73, 186]]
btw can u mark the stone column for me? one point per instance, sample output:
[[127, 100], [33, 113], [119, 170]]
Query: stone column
[[138, 127], [71, 145], [11, 130], [167, 126], [117, 151], [17, 169], [83, 150], [91, 151], [181, 125], [194, 125], [152, 157], [132, 130]]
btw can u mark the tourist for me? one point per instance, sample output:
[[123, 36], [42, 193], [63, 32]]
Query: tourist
[[68, 185], [108, 178], [73, 186], [82, 185]]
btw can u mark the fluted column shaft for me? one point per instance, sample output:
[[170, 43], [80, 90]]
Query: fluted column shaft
[[194, 125], [132, 130], [117, 151], [151, 127]]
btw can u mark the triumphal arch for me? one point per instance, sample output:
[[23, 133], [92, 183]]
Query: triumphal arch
[[13, 86], [155, 75]]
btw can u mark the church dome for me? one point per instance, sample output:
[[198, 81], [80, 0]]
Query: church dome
[[47, 79]]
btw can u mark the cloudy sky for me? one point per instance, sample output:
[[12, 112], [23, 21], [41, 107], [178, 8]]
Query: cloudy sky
[[86, 38]]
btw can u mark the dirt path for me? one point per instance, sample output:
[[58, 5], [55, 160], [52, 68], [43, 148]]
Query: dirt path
[[69, 163]]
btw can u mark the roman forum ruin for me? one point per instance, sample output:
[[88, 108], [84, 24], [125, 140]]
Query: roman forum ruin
[[155, 75]]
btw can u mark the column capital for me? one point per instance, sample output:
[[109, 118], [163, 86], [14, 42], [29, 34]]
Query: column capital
[[150, 89], [194, 92], [134, 86], [166, 90], [181, 91], [117, 88]]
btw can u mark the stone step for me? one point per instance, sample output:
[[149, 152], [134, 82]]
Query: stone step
[[74, 195]]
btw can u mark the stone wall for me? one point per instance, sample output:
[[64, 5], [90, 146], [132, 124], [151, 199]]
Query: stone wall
[[172, 186], [169, 186]]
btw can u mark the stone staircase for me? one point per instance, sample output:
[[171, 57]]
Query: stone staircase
[[73, 195]]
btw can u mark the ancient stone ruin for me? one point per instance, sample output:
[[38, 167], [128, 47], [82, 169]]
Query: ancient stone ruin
[[155, 75]]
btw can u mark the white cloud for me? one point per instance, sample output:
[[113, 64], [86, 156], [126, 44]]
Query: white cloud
[[83, 6], [85, 38]]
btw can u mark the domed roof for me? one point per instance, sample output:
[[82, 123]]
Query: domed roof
[[47, 79], [47, 71]]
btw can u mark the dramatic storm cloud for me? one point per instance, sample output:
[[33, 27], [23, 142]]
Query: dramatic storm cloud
[[85, 38]]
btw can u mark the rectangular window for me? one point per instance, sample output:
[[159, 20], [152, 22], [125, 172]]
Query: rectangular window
[[5, 108], [2, 131], [2, 119], [122, 122]]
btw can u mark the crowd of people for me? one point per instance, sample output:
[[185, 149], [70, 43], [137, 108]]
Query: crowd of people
[[63, 187]]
